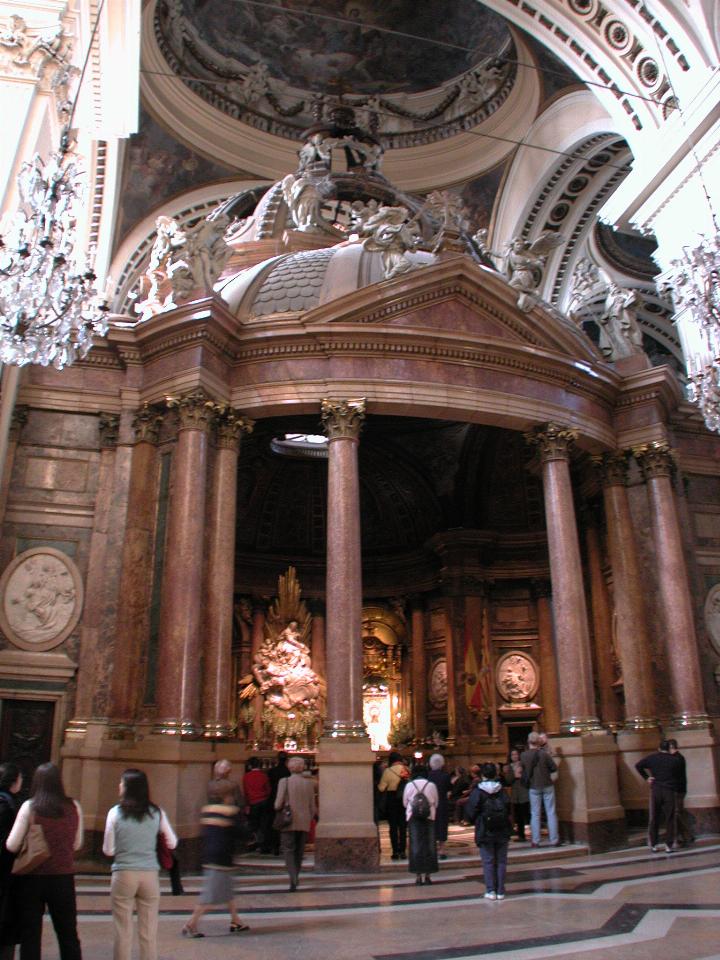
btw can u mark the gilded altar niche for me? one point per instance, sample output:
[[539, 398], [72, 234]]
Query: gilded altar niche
[[383, 632], [282, 682]]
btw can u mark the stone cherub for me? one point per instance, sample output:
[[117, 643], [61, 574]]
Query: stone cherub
[[390, 232], [523, 263]]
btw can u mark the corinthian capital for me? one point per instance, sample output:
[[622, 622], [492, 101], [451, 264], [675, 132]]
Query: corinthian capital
[[613, 468], [146, 424], [230, 425], [195, 410], [109, 428], [343, 418], [656, 459], [552, 440]]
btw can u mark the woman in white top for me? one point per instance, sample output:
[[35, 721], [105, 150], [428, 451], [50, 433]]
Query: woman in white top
[[131, 838], [421, 825]]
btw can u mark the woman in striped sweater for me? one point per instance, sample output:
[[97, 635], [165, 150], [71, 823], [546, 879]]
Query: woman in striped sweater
[[218, 819]]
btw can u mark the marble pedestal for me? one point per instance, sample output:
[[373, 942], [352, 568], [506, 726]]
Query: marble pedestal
[[587, 797], [633, 745], [178, 771], [700, 749], [346, 840]]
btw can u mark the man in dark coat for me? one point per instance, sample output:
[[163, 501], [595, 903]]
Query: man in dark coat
[[665, 772]]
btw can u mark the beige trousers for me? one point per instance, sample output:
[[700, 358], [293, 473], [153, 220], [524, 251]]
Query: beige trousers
[[140, 889]]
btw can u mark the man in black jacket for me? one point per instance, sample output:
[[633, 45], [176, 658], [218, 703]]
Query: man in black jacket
[[538, 767], [665, 772]]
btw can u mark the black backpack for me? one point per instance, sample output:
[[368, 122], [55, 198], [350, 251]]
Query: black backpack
[[494, 813], [420, 805]]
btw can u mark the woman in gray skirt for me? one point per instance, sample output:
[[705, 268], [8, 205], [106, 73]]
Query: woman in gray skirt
[[218, 819], [421, 828]]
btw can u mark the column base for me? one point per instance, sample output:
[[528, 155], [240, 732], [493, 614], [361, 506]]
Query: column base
[[577, 726], [588, 802], [691, 721], [172, 727], [347, 837], [634, 724], [217, 731], [345, 730]]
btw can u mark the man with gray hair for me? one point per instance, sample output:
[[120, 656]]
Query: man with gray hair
[[221, 771], [443, 782], [538, 767]]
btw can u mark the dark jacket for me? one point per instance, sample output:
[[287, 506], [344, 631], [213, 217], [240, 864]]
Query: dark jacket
[[477, 801], [542, 765], [218, 821], [667, 770]]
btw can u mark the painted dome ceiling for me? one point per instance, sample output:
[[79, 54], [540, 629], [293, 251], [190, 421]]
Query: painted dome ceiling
[[415, 71]]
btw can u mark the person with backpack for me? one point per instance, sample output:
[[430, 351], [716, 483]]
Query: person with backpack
[[392, 784], [420, 799], [489, 809]]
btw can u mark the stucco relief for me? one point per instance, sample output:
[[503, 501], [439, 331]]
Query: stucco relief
[[438, 684], [41, 597], [712, 615]]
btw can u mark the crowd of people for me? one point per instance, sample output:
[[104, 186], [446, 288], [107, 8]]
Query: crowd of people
[[275, 812]]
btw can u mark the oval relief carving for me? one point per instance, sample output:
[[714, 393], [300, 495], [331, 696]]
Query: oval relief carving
[[712, 615], [41, 597], [517, 677], [438, 684]]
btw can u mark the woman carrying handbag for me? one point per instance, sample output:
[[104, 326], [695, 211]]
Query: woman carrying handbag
[[131, 838], [52, 882]]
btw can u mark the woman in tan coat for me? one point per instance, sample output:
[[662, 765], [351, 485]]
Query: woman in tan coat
[[299, 792]]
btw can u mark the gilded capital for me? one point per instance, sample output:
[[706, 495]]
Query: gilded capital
[[195, 410], [146, 424], [613, 468], [230, 426], [553, 441], [109, 428], [655, 459], [343, 418]]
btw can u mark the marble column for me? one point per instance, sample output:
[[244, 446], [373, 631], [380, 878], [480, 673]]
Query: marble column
[[92, 656], [657, 465], [418, 667], [220, 583], [601, 612], [178, 687], [571, 624], [342, 422], [133, 617], [548, 665], [346, 836], [631, 629]]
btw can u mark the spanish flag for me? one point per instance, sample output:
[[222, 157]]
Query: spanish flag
[[473, 687]]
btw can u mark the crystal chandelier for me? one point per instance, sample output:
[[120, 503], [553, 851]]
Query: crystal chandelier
[[694, 283], [50, 307]]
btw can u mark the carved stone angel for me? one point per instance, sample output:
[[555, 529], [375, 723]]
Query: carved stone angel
[[391, 233], [524, 264]]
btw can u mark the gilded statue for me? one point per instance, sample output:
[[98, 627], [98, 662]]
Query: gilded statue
[[282, 674]]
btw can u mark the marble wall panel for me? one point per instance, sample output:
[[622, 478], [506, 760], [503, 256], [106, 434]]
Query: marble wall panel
[[48, 428], [45, 473]]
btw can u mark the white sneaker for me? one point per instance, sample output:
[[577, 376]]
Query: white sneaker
[[656, 848], [668, 849], [490, 895], [500, 896]]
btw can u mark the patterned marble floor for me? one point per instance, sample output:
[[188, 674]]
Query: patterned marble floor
[[631, 905]]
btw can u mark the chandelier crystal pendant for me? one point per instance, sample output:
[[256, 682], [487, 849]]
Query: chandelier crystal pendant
[[50, 306], [694, 283]]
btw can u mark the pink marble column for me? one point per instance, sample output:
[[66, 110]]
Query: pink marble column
[[342, 421], [219, 594], [95, 585], [572, 636], [178, 688], [657, 465], [418, 667], [631, 628], [133, 617], [601, 612], [548, 665]]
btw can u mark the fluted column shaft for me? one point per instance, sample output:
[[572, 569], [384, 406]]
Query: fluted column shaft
[[418, 668], [342, 421], [571, 624], [178, 690], [217, 674], [631, 628], [133, 617], [548, 666], [610, 712], [657, 464]]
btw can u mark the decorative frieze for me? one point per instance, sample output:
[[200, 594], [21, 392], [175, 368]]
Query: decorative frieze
[[552, 440], [343, 419]]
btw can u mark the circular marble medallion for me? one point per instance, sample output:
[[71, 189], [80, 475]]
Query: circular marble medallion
[[41, 597], [516, 676], [712, 615], [438, 683]]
